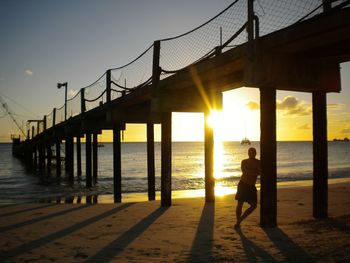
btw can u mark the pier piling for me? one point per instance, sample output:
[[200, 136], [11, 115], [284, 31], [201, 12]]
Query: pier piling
[[166, 159], [150, 162], [88, 160], [117, 178], [209, 160], [268, 152], [320, 152]]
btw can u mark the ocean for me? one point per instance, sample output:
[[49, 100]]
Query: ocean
[[294, 163]]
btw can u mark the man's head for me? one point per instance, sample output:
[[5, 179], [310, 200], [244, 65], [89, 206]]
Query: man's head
[[251, 152]]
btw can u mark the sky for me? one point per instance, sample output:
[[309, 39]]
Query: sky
[[44, 42]]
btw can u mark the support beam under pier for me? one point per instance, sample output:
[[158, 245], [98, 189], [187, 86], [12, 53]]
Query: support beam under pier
[[320, 152], [268, 153], [209, 160], [117, 177], [69, 158], [94, 157], [78, 156], [166, 159], [49, 157], [58, 157], [88, 163], [150, 162]]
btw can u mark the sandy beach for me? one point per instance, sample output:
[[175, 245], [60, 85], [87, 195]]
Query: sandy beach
[[188, 231]]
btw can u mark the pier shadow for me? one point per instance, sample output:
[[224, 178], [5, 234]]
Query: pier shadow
[[8, 205], [24, 210], [338, 224], [26, 247], [253, 252], [202, 245], [42, 218], [118, 245], [289, 249]]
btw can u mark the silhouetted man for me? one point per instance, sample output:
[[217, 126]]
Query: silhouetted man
[[246, 190]]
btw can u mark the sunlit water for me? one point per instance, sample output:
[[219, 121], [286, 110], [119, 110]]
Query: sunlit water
[[17, 184]]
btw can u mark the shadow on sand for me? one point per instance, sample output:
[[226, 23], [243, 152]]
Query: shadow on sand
[[38, 219], [26, 247], [118, 245], [289, 249], [253, 252], [24, 210], [202, 245]]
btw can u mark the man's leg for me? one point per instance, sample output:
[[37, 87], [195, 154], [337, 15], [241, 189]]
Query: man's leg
[[239, 212], [248, 211]]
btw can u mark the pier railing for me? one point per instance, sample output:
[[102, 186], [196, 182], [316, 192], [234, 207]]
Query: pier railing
[[225, 31]]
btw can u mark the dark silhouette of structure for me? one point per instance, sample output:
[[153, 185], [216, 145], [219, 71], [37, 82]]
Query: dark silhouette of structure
[[300, 55]]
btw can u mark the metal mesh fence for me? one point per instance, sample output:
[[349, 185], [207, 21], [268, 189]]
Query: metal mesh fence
[[133, 74], [95, 93], [49, 120], [179, 52], [60, 115], [73, 105]]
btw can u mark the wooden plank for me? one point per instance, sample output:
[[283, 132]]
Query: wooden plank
[[268, 200]]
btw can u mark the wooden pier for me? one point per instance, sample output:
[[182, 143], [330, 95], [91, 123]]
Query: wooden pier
[[302, 57]]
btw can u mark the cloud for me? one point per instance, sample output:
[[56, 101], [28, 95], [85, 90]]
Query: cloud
[[346, 130], [29, 72], [72, 93], [304, 127], [290, 105], [252, 105], [335, 106]]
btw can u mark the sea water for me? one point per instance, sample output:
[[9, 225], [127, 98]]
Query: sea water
[[294, 163]]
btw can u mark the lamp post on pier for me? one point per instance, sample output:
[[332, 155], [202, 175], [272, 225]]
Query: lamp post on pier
[[60, 85]]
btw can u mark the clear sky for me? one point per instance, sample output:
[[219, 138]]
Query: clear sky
[[44, 42]]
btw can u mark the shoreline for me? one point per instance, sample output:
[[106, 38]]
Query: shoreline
[[188, 231], [220, 191]]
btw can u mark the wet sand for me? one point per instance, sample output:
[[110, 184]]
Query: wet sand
[[188, 231]]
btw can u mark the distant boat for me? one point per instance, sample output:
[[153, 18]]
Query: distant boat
[[245, 141], [341, 140]]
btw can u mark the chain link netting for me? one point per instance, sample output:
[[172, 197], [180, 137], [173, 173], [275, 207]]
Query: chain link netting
[[179, 52], [95, 94], [73, 105], [60, 115], [132, 75], [49, 120]]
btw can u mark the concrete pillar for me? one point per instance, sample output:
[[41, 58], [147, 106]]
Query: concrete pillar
[[94, 157], [166, 159], [209, 160], [88, 160], [150, 163], [78, 156], [320, 152], [268, 148], [117, 177], [58, 157]]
